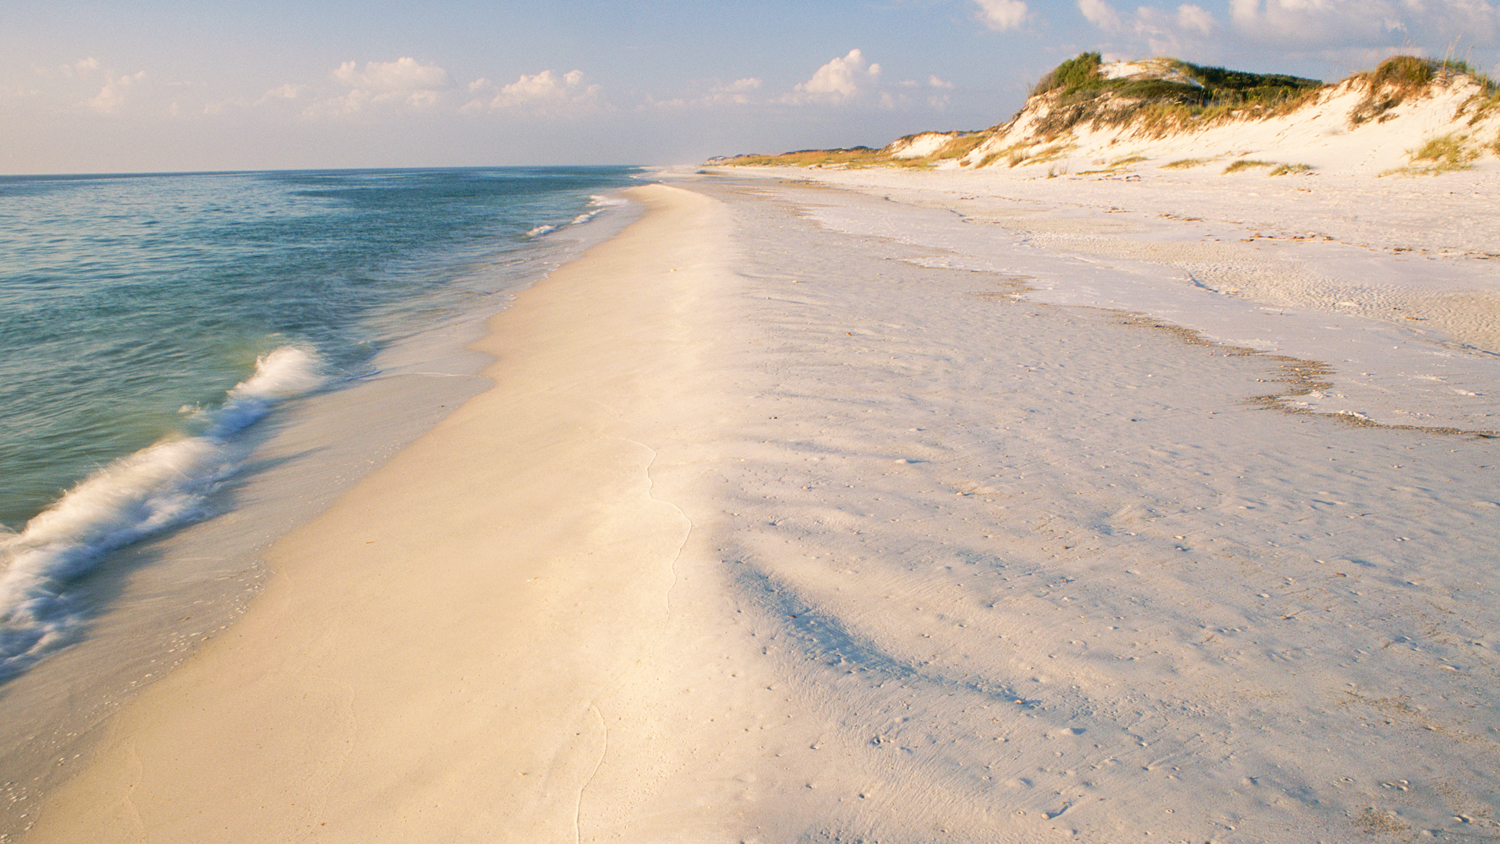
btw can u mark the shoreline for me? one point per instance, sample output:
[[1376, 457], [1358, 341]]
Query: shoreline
[[777, 528], [274, 498], [151, 604], [321, 673]]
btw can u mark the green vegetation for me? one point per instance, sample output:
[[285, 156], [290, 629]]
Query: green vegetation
[[1022, 153], [1276, 169], [1114, 166], [1187, 84], [1051, 152], [1443, 154], [808, 158], [1072, 75], [1399, 78], [1246, 164], [1390, 84], [1447, 150], [1176, 96], [960, 146], [1407, 72], [1486, 101], [1188, 94], [1015, 154]]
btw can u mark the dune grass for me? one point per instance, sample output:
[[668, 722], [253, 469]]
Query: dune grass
[[1195, 95], [1246, 164], [1275, 168], [960, 146], [1442, 154], [1447, 152], [807, 158], [1400, 78]]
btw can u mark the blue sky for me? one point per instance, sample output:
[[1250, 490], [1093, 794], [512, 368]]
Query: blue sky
[[172, 85]]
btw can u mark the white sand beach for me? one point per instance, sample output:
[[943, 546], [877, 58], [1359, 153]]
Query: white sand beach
[[882, 506]]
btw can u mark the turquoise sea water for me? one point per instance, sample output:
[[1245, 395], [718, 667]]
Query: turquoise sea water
[[148, 323]]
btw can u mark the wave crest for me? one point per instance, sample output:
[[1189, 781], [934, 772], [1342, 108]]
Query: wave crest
[[160, 486], [596, 206]]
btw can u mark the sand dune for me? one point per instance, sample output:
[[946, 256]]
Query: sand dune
[[1365, 125]]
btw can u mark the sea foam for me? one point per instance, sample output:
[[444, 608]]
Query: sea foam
[[597, 204], [158, 487]]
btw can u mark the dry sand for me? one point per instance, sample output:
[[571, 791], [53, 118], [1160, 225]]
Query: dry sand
[[796, 516]]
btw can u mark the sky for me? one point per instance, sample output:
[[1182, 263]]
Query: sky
[[107, 86]]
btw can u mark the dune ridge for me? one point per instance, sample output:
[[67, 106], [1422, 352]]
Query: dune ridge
[[1409, 116]]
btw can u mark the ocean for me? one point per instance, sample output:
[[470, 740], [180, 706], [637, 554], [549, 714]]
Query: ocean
[[158, 331]]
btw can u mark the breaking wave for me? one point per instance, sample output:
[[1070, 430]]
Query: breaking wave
[[161, 486]]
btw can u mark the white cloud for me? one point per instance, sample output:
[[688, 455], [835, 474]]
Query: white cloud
[[542, 92], [280, 95], [1329, 23], [1195, 19], [404, 75], [1163, 31], [938, 101], [81, 69], [1100, 14], [88, 84], [1001, 15], [289, 91], [115, 90], [746, 84], [840, 80], [1244, 11], [405, 80], [737, 92], [853, 79]]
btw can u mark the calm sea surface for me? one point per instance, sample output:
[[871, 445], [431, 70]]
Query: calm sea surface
[[148, 324]]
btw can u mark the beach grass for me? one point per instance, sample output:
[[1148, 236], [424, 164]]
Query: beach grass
[[1188, 95], [852, 156], [1247, 164], [1442, 154]]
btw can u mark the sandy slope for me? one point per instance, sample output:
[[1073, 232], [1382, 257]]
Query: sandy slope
[[797, 514]]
